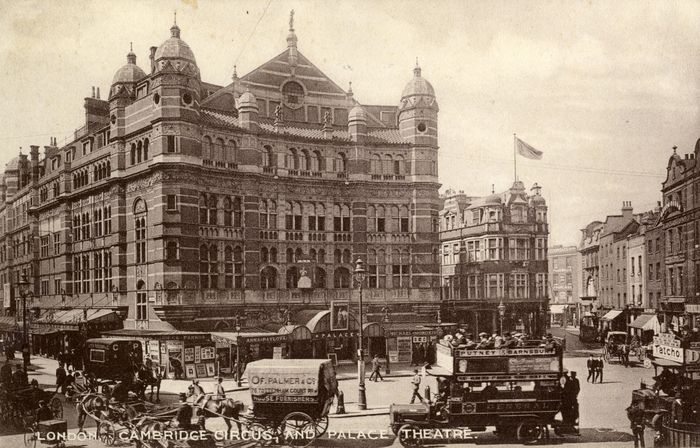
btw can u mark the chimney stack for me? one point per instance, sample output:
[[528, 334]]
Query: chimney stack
[[627, 210], [152, 57], [93, 92], [98, 93]]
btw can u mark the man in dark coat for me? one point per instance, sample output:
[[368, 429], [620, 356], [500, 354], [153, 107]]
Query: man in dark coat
[[637, 422], [60, 378], [6, 374], [591, 364], [19, 378], [575, 389]]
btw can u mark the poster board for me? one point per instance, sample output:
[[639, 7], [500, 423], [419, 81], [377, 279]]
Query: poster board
[[190, 371], [277, 352], [208, 352], [197, 354], [340, 316], [211, 369], [404, 348], [189, 354], [201, 370]]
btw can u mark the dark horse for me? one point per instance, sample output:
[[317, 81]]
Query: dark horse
[[227, 408]]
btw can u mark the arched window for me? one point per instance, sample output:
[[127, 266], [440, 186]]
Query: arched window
[[388, 165], [141, 301], [203, 212], [213, 267], [321, 256], [237, 212], [337, 256], [346, 256], [237, 267], [298, 254], [304, 160], [341, 278], [219, 150], [319, 278], [318, 162], [375, 164], [264, 255], [145, 149], [133, 153], [228, 267], [204, 267], [292, 277], [231, 152], [140, 239], [268, 278], [95, 174], [212, 209], [403, 219], [268, 156], [372, 281], [292, 159], [290, 255], [206, 148], [139, 151], [273, 255], [312, 255], [228, 212], [341, 163], [394, 218], [399, 168]]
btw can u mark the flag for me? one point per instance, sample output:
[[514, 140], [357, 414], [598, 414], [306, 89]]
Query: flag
[[526, 150]]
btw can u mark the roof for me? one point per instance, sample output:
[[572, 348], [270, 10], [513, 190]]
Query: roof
[[493, 199], [128, 73], [13, 164], [418, 85], [611, 315], [175, 48], [647, 322], [77, 315], [384, 136], [615, 224]]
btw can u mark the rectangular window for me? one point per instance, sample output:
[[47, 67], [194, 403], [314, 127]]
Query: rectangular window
[[518, 286], [474, 287], [404, 225], [473, 251], [494, 249], [381, 225], [44, 246], [372, 276], [57, 286], [141, 306], [44, 287], [494, 286], [289, 222], [346, 223], [312, 223], [297, 222], [321, 223], [171, 202], [97, 355], [107, 263], [171, 144], [56, 243]]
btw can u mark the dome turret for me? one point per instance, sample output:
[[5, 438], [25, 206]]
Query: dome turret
[[247, 99], [176, 52], [357, 113], [130, 72], [418, 85]]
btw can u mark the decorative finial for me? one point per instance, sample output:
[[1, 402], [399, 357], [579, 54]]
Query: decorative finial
[[175, 17], [291, 20], [235, 74], [416, 70], [175, 30], [131, 46], [131, 57], [278, 115], [327, 121], [350, 87], [674, 150]]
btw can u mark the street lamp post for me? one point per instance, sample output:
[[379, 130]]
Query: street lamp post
[[385, 321], [501, 314], [237, 327], [24, 287], [360, 275]]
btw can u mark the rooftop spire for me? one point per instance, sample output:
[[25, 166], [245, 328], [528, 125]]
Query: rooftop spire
[[130, 56], [416, 70], [291, 37], [291, 20], [175, 30], [235, 74]]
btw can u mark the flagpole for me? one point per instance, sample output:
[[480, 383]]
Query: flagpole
[[515, 163]]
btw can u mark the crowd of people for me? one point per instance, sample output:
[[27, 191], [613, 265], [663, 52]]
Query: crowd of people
[[462, 339], [595, 367]]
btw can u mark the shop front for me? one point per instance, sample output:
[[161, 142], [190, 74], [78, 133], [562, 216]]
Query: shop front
[[645, 327], [410, 342], [334, 338], [242, 347], [180, 354], [557, 314], [613, 320], [299, 342]]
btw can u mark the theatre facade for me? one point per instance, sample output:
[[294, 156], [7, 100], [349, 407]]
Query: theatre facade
[[186, 206]]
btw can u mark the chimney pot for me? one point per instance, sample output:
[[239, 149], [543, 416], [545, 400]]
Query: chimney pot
[[152, 57], [93, 91], [98, 93]]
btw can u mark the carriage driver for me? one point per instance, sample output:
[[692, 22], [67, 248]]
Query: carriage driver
[[44, 412], [183, 418]]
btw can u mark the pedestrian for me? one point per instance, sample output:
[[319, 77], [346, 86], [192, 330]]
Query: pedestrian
[[376, 365], [60, 378], [19, 378], [637, 422], [416, 386], [6, 374], [566, 400], [591, 369], [601, 366], [220, 393], [626, 355], [575, 389]]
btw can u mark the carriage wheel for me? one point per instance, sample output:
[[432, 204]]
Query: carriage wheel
[[297, 429], [30, 438], [407, 438], [57, 408], [321, 426], [106, 433], [261, 434], [529, 431]]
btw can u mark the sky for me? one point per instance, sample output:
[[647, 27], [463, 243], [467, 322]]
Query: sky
[[604, 88]]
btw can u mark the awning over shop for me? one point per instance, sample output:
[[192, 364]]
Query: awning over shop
[[296, 332], [77, 316], [7, 323], [248, 337], [158, 334], [409, 329], [611, 315], [557, 309], [43, 331], [372, 330], [647, 322]]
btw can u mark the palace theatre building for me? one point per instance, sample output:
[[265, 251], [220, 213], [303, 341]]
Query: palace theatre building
[[241, 208]]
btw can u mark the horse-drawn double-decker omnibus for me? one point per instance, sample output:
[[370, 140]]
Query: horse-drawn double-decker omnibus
[[516, 389], [112, 359]]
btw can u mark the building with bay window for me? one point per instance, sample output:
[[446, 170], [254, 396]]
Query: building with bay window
[[181, 204], [494, 251]]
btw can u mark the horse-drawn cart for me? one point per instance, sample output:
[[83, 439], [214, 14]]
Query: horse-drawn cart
[[18, 406], [291, 399]]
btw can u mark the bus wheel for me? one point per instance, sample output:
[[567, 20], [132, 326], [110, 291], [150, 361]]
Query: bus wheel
[[407, 438], [529, 431]]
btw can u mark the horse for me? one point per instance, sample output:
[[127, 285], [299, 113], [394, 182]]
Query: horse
[[228, 408]]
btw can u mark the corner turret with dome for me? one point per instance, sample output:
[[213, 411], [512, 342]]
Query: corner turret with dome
[[127, 76], [175, 54]]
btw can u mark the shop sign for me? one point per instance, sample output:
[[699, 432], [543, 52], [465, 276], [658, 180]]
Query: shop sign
[[692, 308], [692, 356], [668, 339], [393, 356], [506, 377], [419, 339], [335, 334], [404, 344], [668, 352], [273, 338], [503, 352]]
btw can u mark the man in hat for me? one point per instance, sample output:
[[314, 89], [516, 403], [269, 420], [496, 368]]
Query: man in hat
[[44, 412], [19, 378], [416, 386], [508, 341], [484, 342], [590, 364], [376, 365], [220, 393], [469, 342], [183, 418]]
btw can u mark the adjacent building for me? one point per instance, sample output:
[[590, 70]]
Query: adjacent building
[[183, 205], [680, 224], [494, 259], [564, 276]]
